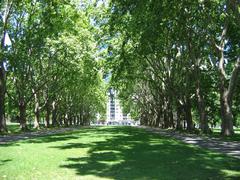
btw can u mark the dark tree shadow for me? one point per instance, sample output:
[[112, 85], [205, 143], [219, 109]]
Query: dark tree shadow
[[46, 138], [3, 162], [134, 154]]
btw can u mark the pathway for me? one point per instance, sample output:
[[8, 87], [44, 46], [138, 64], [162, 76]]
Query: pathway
[[215, 144]]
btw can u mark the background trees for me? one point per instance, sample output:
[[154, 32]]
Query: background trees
[[49, 66], [176, 64], [173, 58]]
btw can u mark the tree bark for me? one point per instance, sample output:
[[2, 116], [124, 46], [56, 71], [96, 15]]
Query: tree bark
[[66, 120], [78, 119], [81, 119], [5, 17], [22, 118], [54, 114], [60, 120], [158, 119], [3, 127], [70, 120], [188, 114], [203, 117], [227, 89], [165, 114], [202, 112], [179, 125], [200, 101], [48, 112], [36, 112], [226, 95], [170, 113], [226, 114], [74, 120]]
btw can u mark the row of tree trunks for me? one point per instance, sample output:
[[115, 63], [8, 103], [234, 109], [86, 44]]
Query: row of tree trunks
[[51, 113]]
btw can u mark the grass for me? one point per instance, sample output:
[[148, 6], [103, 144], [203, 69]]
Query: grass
[[235, 137], [14, 128], [112, 153]]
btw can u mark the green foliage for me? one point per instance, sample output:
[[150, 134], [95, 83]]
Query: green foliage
[[165, 57], [52, 62]]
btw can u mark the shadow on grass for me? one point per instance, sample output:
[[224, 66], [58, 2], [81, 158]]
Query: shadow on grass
[[49, 139], [59, 136], [43, 138], [235, 137], [134, 154], [3, 162]]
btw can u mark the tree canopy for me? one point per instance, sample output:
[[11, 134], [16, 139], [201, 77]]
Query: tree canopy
[[177, 62], [49, 66], [174, 63]]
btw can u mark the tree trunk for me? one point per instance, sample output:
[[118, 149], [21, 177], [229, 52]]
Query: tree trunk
[[78, 119], [188, 114], [74, 120], [179, 118], [226, 95], [227, 89], [66, 119], [201, 108], [158, 119], [54, 114], [165, 114], [165, 120], [5, 16], [22, 117], [48, 112], [36, 113], [70, 120], [81, 119], [170, 114], [226, 114], [60, 120], [3, 127]]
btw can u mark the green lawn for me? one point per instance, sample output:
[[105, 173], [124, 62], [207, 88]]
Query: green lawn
[[14, 128], [235, 137], [112, 153]]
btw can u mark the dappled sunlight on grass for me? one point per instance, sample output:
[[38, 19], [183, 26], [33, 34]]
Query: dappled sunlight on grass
[[231, 173], [235, 137], [113, 153]]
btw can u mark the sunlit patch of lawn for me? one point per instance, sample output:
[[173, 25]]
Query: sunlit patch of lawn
[[112, 153]]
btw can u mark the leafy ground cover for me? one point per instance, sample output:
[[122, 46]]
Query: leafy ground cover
[[112, 153]]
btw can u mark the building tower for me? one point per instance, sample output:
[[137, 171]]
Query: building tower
[[114, 110]]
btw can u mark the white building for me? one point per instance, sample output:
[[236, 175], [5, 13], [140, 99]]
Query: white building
[[114, 110]]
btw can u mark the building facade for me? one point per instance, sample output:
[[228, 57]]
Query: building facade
[[114, 110]]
